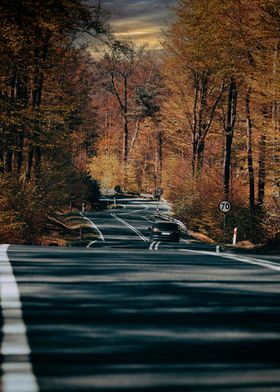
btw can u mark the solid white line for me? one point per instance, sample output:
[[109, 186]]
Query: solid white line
[[131, 227], [17, 374], [186, 241], [93, 225], [147, 219], [243, 259], [151, 246], [91, 243], [131, 212], [251, 260]]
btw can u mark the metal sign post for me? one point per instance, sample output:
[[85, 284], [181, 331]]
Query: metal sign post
[[224, 207], [158, 194]]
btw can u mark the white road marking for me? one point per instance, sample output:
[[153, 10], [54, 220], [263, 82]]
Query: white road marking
[[152, 245], [186, 241], [243, 259], [157, 245], [131, 212], [93, 225], [91, 243], [149, 220], [17, 373], [252, 260], [130, 227]]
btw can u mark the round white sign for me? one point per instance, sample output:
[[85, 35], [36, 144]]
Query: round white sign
[[159, 191], [224, 206]]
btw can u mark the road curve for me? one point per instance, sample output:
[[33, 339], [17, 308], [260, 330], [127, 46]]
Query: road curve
[[122, 317]]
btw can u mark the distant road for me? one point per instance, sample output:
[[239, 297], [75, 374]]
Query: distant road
[[123, 315]]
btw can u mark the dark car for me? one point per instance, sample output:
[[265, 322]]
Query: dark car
[[165, 231]]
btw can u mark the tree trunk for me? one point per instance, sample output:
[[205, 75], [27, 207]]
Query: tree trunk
[[229, 132], [1, 161], [275, 121], [199, 157], [159, 160], [194, 156], [22, 95], [250, 152], [38, 81], [9, 160], [19, 152], [262, 165], [136, 132], [262, 170], [29, 163], [37, 161]]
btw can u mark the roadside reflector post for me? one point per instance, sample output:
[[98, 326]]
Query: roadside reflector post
[[83, 207], [234, 236]]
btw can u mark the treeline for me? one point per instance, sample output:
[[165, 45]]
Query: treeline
[[202, 120], [47, 124], [222, 65]]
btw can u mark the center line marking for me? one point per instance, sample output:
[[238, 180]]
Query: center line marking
[[130, 227], [17, 371]]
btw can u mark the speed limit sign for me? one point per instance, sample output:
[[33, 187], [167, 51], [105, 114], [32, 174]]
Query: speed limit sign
[[159, 191], [224, 206]]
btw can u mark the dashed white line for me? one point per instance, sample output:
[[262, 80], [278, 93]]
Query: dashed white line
[[17, 373], [93, 225]]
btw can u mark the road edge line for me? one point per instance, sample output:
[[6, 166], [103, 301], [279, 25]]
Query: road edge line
[[241, 259], [94, 225], [16, 376]]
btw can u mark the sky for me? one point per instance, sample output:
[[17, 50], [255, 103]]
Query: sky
[[141, 21]]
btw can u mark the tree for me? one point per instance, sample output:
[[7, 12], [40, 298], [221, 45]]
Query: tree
[[38, 113], [189, 53], [121, 61]]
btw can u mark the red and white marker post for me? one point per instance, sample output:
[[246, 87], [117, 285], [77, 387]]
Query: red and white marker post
[[234, 236]]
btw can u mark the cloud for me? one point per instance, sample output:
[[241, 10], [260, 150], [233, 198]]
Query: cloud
[[139, 20]]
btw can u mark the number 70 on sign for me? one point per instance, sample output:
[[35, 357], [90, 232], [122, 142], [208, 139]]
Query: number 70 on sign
[[224, 206]]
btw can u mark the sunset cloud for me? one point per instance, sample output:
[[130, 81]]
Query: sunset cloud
[[141, 21]]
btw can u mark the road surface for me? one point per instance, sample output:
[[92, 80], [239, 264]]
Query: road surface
[[128, 315]]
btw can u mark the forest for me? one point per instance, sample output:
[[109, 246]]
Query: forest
[[200, 117]]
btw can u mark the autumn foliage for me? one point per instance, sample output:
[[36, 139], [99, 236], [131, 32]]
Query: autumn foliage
[[46, 124], [201, 118], [215, 132]]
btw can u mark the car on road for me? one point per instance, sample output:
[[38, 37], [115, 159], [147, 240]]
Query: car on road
[[164, 231]]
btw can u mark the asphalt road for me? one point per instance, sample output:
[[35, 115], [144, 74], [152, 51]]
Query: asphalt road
[[124, 316]]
